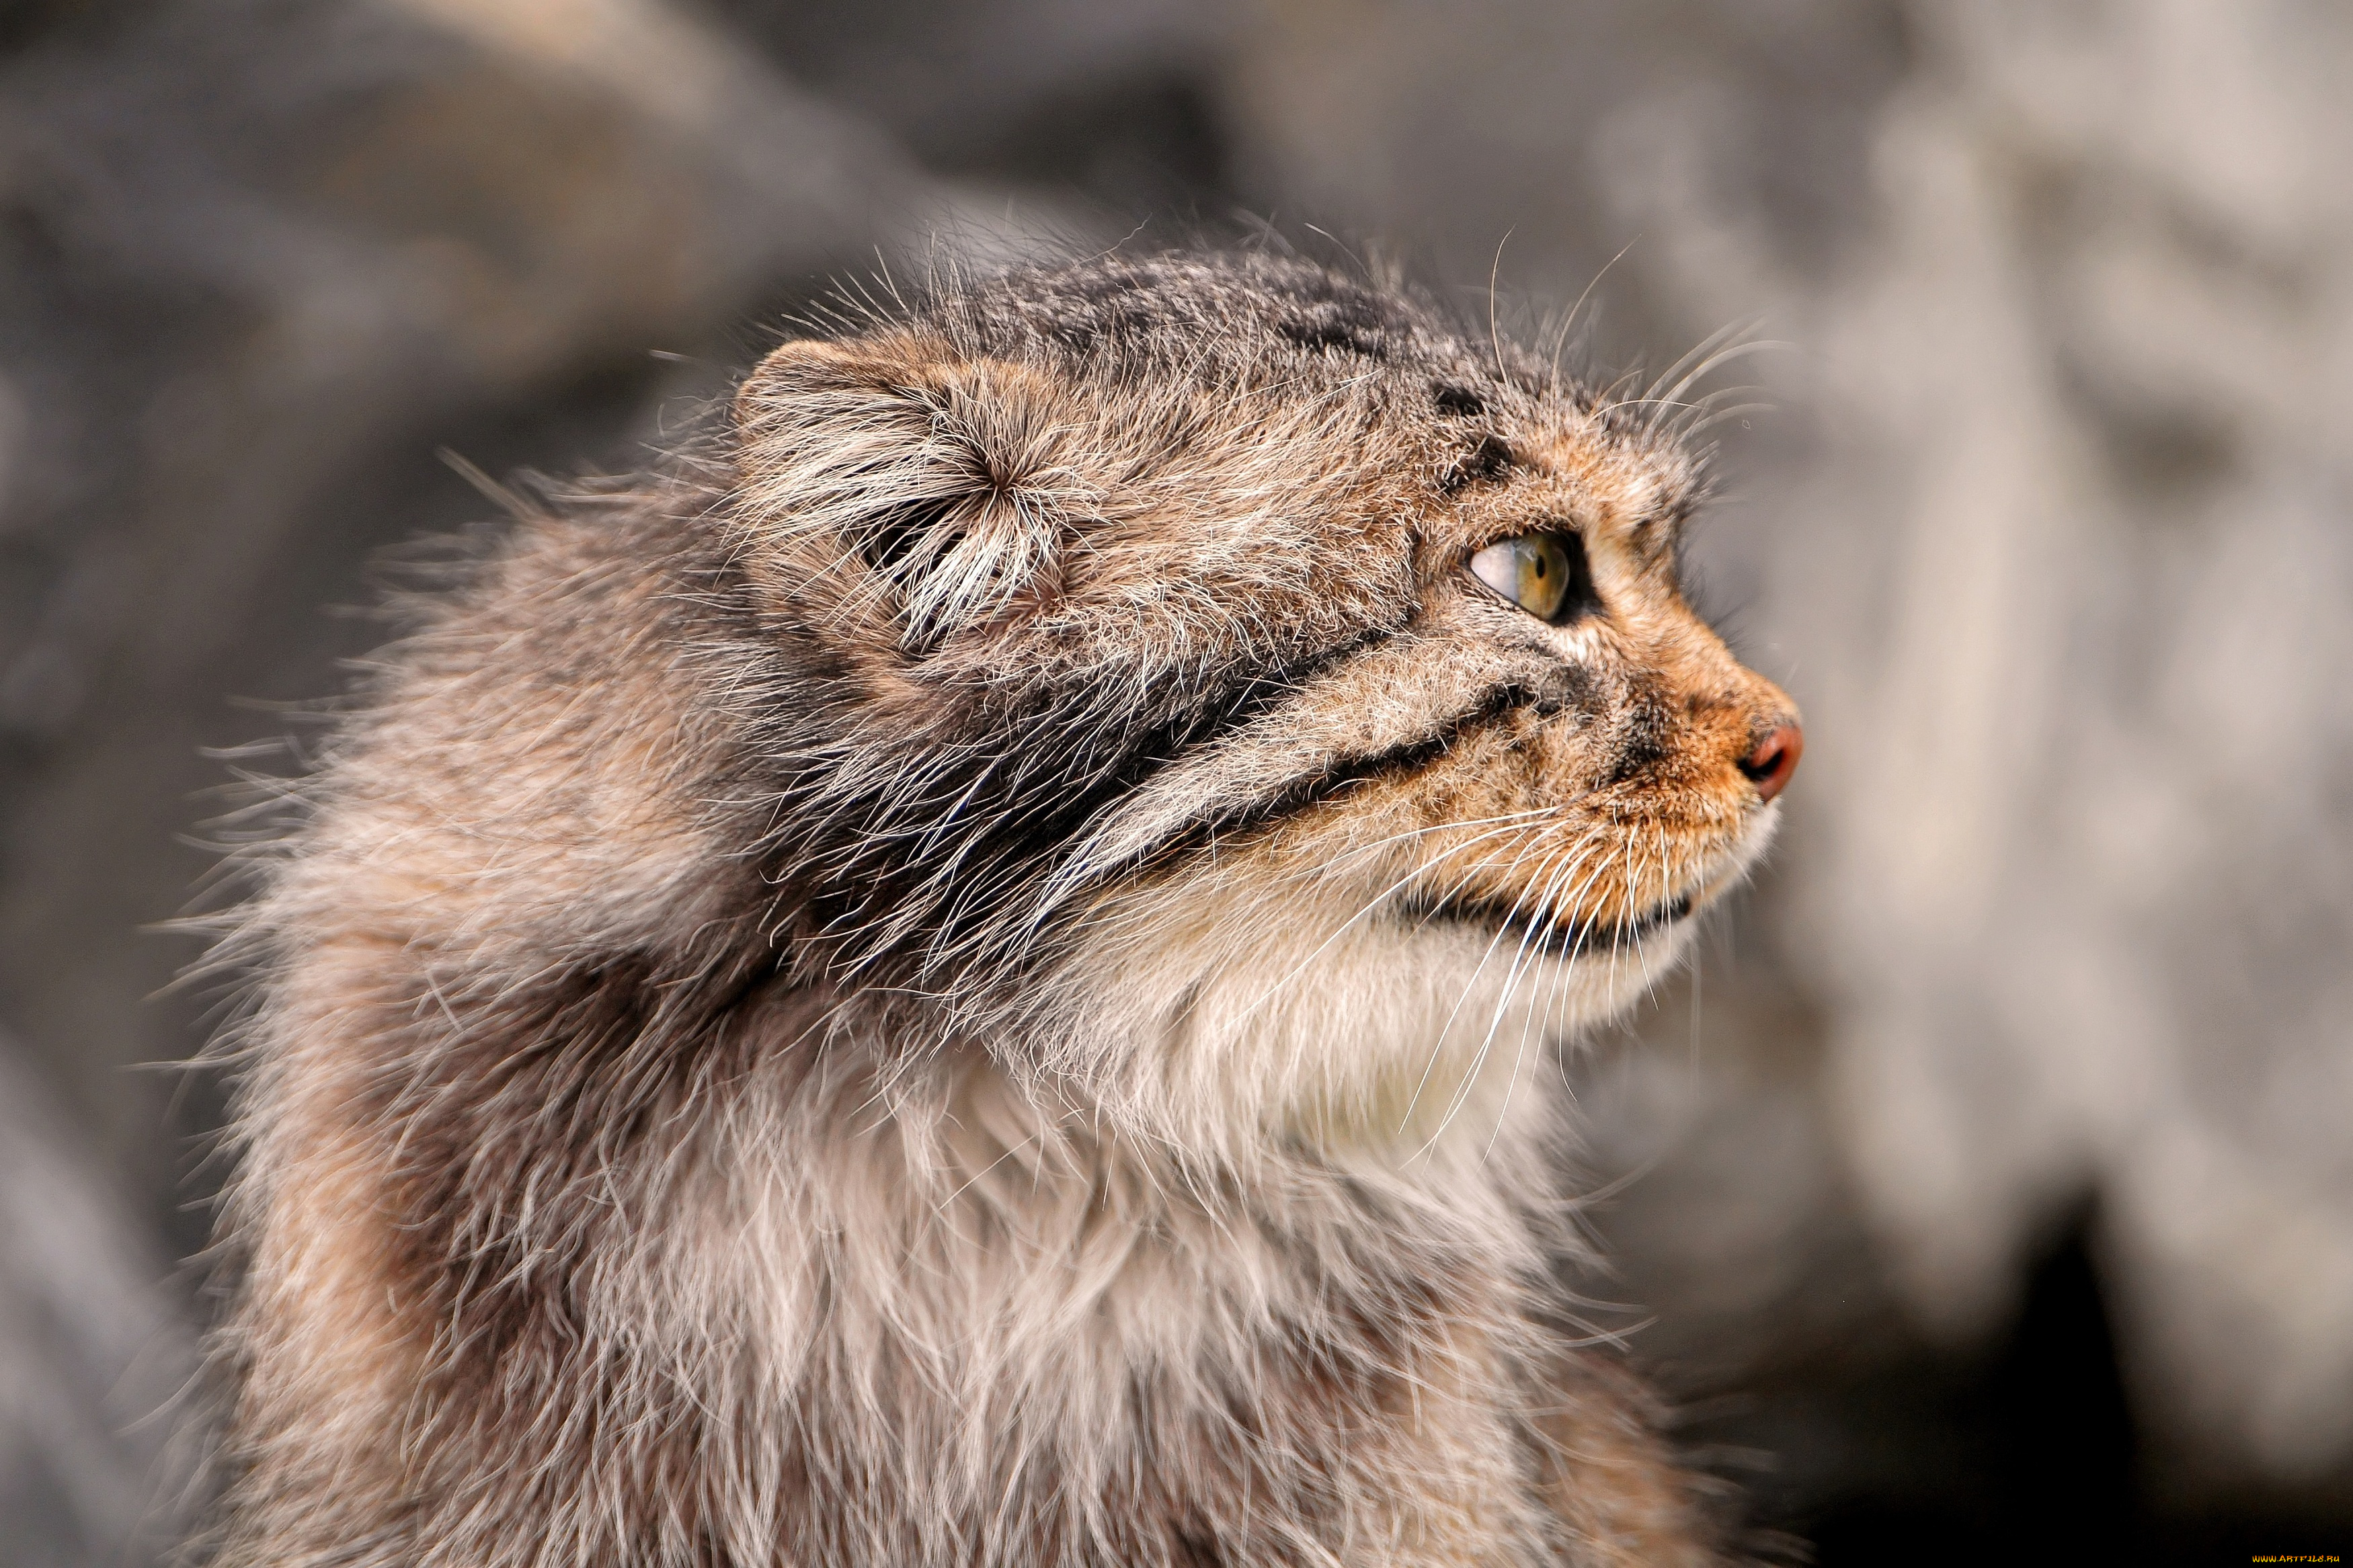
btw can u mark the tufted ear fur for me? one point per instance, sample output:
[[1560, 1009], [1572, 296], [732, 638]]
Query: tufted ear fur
[[926, 485]]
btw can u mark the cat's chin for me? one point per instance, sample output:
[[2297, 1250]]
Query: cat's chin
[[1526, 927], [1217, 1004], [1555, 935], [1382, 1035]]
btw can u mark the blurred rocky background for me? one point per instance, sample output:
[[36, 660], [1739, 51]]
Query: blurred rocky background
[[1985, 1190]]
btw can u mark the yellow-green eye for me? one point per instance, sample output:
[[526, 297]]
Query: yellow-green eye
[[1541, 572]]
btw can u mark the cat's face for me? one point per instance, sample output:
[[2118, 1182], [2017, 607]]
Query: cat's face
[[1235, 693]]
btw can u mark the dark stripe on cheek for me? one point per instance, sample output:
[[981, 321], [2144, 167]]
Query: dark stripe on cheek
[[1028, 774], [1346, 773], [1210, 718]]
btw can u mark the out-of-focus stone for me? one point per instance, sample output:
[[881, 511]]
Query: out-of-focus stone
[[1110, 101], [93, 1346], [2093, 883]]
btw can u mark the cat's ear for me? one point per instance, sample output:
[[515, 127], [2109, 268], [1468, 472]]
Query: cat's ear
[[933, 487]]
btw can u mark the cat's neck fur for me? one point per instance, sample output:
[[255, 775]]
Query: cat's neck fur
[[1043, 1314]]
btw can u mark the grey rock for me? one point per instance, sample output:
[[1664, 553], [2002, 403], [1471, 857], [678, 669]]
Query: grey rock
[[95, 1353]]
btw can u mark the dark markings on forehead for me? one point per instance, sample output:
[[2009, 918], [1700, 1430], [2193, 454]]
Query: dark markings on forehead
[[1658, 535], [1490, 461], [1457, 402], [1208, 317], [1081, 310], [1353, 326], [1675, 511]]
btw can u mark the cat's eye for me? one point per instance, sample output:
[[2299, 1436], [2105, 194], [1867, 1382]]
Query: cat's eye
[[1543, 573]]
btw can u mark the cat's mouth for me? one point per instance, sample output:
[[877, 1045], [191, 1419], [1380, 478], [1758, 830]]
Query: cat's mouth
[[1538, 931]]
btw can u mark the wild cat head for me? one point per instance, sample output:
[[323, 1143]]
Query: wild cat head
[[1229, 688]]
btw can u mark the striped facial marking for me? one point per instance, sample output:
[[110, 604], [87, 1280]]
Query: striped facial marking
[[1144, 652]]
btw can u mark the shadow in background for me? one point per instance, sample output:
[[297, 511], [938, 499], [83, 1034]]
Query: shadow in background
[[2024, 1453], [2021, 1450]]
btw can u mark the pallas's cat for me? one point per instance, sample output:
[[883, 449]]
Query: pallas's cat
[[963, 975]]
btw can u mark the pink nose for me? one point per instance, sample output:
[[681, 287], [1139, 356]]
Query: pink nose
[[1768, 767]]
